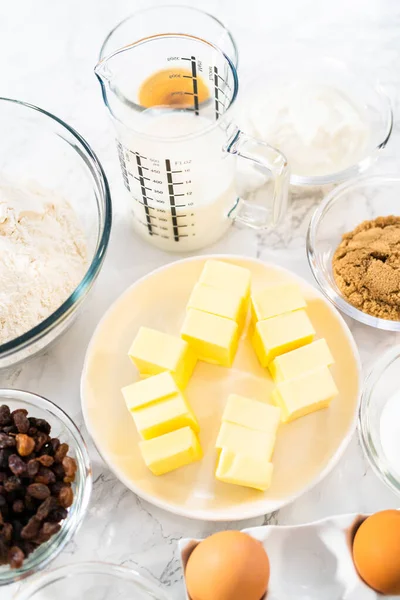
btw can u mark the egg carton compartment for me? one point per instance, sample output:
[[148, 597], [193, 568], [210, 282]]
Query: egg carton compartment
[[308, 562]]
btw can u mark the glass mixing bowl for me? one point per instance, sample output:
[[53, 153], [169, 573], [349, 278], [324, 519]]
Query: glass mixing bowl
[[91, 581], [379, 423], [342, 210], [65, 429], [38, 146]]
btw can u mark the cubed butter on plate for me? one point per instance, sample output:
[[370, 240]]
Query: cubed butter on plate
[[144, 392], [249, 442], [248, 471], [226, 276], [252, 414], [281, 334], [305, 394], [299, 361], [154, 352], [275, 300], [220, 302], [164, 416], [171, 451], [213, 339]]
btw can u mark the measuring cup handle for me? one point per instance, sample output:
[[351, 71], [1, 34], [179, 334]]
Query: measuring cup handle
[[273, 166]]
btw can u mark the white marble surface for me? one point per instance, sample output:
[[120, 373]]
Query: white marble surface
[[48, 50]]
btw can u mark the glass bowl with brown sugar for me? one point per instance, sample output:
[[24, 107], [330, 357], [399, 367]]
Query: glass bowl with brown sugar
[[353, 248]]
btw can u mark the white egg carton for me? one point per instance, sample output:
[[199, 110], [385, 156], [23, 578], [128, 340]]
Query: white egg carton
[[308, 562]]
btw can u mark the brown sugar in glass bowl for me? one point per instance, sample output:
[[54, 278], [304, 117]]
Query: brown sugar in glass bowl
[[344, 209], [366, 267]]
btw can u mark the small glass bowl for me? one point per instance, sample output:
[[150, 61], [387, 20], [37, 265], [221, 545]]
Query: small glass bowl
[[91, 580], [343, 209], [63, 428], [36, 146], [382, 450]]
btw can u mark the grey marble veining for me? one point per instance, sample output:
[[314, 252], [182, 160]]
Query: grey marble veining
[[48, 52]]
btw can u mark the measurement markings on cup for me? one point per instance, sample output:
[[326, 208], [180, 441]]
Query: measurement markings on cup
[[175, 226], [193, 76], [144, 189]]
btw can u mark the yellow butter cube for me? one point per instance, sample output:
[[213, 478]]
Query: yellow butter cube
[[171, 451], [276, 300], [278, 335], [252, 414], [249, 442], [226, 276], [218, 302], [248, 471], [305, 394], [213, 339], [149, 390], [299, 361], [154, 352], [164, 416]]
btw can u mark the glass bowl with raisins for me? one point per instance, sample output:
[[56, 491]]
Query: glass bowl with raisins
[[45, 482]]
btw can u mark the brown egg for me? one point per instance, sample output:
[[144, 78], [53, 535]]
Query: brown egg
[[172, 87], [229, 565], [376, 551]]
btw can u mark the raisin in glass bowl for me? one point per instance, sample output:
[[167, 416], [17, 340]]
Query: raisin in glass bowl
[[63, 428]]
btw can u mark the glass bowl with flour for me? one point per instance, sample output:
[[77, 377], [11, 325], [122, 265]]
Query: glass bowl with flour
[[380, 418], [55, 219]]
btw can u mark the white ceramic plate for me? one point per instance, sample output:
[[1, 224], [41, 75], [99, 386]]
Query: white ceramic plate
[[308, 562], [306, 449]]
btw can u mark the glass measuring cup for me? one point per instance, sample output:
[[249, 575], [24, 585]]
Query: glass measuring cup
[[171, 98]]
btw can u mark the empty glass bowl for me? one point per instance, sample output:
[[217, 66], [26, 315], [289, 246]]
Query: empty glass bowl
[[38, 147], [380, 418], [91, 581], [65, 429], [342, 210]]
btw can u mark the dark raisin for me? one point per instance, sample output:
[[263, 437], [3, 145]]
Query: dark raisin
[[39, 491], [45, 476], [70, 468], [27, 547], [18, 506], [3, 552], [17, 465], [55, 442], [25, 444], [47, 506], [31, 529], [61, 452], [15, 557], [58, 486], [58, 471], [4, 456], [32, 468], [47, 449], [21, 421], [57, 515], [13, 483], [32, 432], [5, 415], [45, 460], [6, 531], [19, 411], [40, 440], [47, 531], [10, 429], [43, 425], [29, 503], [66, 497], [6, 441]]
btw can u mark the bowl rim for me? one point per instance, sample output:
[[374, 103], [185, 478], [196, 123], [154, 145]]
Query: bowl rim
[[37, 583], [204, 515], [100, 178], [82, 493], [337, 300], [375, 457]]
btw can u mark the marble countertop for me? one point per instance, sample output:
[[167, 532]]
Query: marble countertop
[[49, 50]]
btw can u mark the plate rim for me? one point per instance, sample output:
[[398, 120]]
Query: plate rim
[[204, 515]]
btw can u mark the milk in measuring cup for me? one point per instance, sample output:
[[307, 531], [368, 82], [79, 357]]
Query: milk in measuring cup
[[181, 191]]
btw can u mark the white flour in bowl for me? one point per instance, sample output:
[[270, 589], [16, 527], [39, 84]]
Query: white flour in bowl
[[42, 256]]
